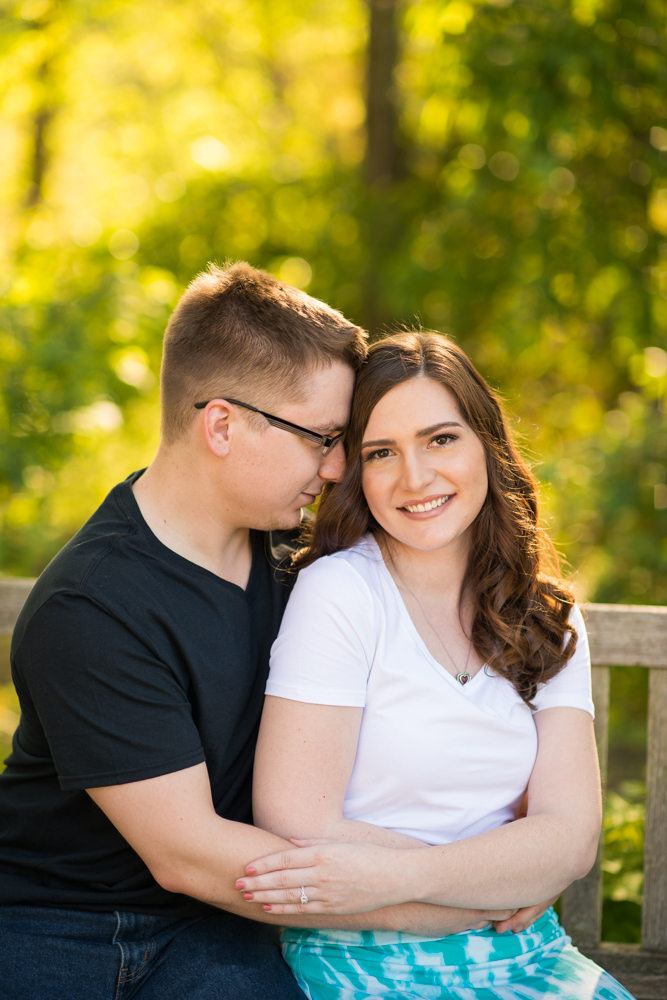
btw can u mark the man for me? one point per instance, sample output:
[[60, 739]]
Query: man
[[140, 661]]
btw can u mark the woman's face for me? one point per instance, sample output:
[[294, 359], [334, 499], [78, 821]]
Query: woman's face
[[423, 468]]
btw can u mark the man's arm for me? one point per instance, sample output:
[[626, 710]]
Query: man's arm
[[171, 823]]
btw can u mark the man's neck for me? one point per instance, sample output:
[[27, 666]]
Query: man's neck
[[180, 508]]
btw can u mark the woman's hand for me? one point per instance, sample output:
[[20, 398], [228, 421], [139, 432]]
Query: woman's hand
[[342, 879], [338, 878]]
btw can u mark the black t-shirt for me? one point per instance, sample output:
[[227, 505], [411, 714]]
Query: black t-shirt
[[129, 662]]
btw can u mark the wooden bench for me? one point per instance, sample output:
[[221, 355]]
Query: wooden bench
[[630, 636], [620, 635]]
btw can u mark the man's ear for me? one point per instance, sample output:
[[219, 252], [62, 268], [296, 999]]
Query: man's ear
[[220, 420]]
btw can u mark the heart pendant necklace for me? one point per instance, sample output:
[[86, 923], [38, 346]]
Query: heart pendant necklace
[[463, 677]]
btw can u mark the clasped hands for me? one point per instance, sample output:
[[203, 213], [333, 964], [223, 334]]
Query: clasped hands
[[347, 878]]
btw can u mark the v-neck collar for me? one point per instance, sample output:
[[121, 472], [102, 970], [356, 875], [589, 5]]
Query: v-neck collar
[[412, 628], [126, 497]]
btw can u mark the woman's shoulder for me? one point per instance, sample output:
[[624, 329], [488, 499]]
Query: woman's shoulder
[[357, 566], [571, 686], [332, 596]]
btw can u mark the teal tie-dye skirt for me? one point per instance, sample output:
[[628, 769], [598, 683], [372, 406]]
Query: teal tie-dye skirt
[[479, 965]]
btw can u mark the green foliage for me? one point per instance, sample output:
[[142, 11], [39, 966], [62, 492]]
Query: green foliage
[[530, 224], [529, 220], [623, 863]]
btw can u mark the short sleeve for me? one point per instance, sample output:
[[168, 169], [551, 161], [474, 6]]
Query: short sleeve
[[571, 688], [325, 646], [111, 711]]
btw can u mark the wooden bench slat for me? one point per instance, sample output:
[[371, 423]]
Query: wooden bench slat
[[644, 974], [582, 901], [654, 909], [620, 634], [627, 635]]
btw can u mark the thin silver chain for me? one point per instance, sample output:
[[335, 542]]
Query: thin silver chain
[[432, 627]]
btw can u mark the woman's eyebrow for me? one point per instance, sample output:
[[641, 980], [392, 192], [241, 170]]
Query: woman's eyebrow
[[386, 442], [374, 444], [437, 427]]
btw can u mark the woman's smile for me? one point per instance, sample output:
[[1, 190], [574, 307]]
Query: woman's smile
[[428, 507]]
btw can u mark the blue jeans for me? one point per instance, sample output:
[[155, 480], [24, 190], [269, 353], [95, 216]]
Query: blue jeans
[[50, 954]]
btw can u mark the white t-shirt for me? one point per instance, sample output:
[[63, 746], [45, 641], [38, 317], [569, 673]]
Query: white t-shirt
[[435, 760]]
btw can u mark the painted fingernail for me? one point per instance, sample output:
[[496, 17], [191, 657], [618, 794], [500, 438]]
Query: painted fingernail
[[248, 895], [240, 884], [250, 870], [266, 907]]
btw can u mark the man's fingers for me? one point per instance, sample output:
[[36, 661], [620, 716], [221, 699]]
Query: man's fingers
[[523, 918]]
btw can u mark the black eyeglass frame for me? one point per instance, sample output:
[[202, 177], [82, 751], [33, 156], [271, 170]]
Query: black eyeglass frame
[[326, 441]]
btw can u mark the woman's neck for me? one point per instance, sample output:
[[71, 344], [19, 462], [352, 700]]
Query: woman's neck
[[439, 573]]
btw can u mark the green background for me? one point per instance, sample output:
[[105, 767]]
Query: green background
[[518, 202]]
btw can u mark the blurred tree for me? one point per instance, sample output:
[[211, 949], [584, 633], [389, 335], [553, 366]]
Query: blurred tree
[[510, 188]]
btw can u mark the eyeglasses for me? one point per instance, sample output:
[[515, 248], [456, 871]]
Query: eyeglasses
[[325, 441]]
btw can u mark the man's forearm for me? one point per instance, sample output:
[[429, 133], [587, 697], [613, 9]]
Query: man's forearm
[[410, 918]]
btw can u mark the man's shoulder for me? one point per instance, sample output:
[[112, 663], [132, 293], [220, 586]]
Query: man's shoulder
[[70, 572]]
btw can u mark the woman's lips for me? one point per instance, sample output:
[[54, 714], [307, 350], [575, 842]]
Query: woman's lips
[[431, 506]]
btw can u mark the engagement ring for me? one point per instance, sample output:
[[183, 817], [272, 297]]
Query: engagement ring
[[304, 897]]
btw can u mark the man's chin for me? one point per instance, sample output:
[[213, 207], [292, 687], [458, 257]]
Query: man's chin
[[286, 520]]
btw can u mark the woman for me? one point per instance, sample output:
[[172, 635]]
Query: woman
[[428, 674]]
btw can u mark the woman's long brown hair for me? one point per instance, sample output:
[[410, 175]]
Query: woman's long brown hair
[[521, 606]]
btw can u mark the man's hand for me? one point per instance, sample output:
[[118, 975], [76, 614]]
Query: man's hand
[[427, 920], [523, 918]]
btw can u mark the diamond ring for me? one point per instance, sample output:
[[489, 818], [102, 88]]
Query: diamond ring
[[304, 897]]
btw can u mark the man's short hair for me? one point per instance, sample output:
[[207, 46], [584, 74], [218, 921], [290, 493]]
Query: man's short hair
[[242, 333]]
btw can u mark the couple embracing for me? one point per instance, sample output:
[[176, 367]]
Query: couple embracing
[[425, 775]]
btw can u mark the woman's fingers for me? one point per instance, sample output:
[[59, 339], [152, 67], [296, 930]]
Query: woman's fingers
[[272, 896], [312, 909], [298, 858], [350, 878], [311, 843], [290, 878]]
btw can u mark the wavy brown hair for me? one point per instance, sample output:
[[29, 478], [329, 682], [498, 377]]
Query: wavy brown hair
[[521, 605]]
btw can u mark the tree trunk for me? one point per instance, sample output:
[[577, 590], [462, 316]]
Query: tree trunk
[[382, 159], [381, 145], [41, 123]]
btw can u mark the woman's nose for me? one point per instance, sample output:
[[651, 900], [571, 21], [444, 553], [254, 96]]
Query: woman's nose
[[417, 473]]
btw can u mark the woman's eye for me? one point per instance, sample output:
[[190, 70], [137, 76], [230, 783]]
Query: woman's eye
[[379, 454], [443, 439]]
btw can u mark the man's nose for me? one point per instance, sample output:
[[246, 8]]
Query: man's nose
[[333, 464]]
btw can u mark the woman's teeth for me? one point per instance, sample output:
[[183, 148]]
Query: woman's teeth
[[419, 508]]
